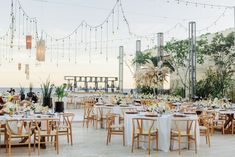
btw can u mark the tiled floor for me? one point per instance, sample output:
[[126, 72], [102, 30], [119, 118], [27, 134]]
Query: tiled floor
[[91, 143]]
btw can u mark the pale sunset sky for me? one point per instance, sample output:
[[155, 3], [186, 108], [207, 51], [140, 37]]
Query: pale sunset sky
[[60, 17]]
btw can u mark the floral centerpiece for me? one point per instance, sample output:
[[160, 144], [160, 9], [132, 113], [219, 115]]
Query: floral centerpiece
[[117, 99], [9, 107], [37, 108]]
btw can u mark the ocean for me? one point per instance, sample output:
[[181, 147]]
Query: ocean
[[38, 90]]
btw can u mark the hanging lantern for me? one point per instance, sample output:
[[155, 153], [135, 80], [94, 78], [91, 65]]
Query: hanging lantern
[[40, 54], [28, 41], [19, 66], [26, 68]]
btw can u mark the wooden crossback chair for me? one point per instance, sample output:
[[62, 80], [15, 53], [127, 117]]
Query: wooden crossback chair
[[65, 126], [184, 127], [18, 129], [2, 132], [89, 114], [114, 129], [46, 128], [206, 126], [144, 127]]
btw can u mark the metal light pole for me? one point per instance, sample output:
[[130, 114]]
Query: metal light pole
[[234, 24], [138, 50], [12, 23], [192, 59], [121, 69], [160, 41]]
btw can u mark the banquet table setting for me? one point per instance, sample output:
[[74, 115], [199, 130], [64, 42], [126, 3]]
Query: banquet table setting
[[168, 118]]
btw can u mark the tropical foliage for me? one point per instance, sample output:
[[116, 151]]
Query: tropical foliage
[[60, 92], [179, 51], [219, 49], [150, 75], [47, 88]]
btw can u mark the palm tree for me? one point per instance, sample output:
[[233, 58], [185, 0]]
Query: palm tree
[[141, 58], [150, 75]]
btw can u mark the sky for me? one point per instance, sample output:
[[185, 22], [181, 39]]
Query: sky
[[60, 17]]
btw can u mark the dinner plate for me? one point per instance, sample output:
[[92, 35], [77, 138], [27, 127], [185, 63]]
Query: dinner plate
[[123, 105], [189, 112], [151, 115], [179, 115], [131, 112]]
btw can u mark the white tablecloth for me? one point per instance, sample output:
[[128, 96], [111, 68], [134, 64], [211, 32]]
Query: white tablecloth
[[163, 124]]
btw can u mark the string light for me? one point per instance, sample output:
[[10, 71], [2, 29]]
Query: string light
[[69, 49], [101, 34], [57, 54], [85, 37], [114, 13], [95, 38], [107, 37], [76, 48], [113, 22], [82, 33], [51, 50], [63, 48], [90, 47], [196, 4]]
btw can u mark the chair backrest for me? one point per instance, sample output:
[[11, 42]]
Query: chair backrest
[[88, 110], [68, 118], [143, 125], [2, 129], [110, 119], [206, 120], [18, 126], [186, 124], [46, 124]]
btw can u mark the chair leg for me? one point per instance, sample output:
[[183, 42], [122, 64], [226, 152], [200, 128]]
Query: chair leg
[[209, 141], [6, 141], [29, 144], [149, 139], [57, 143], [179, 144], [39, 141], [138, 141], [133, 142], [71, 136], [171, 141], [195, 144], [157, 141], [9, 147], [188, 142], [110, 136], [34, 141], [67, 130], [107, 138], [123, 137]]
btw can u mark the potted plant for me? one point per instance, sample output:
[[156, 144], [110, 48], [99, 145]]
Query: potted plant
[[60, 94], [30, 93], [22, 95], [47, 89]]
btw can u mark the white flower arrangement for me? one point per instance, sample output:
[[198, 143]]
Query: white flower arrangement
[[39, 108], [10, 107]]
